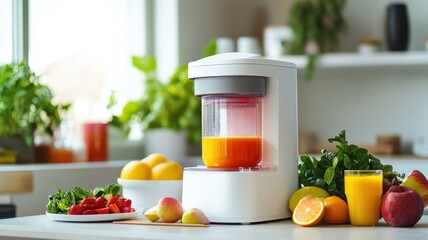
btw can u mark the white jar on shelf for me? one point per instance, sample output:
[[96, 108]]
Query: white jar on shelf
[[368, 46]]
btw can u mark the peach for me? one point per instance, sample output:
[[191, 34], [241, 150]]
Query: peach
[[169, 210], [194, 216], [152, 214]]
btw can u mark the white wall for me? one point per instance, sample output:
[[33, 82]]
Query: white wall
[[365, 102]]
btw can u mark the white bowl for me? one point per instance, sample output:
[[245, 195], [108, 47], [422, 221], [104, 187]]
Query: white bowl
[[147, 193]]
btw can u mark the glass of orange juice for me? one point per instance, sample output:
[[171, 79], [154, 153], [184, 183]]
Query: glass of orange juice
[[363, 189]]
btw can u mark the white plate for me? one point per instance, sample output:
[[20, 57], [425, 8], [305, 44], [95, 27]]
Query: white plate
[[93, 217]]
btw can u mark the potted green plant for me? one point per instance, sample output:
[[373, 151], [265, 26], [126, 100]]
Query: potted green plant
[[316, 25], [25, 105], [164, 105]]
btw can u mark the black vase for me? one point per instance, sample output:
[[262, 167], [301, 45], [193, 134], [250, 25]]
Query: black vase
[[397, 27]]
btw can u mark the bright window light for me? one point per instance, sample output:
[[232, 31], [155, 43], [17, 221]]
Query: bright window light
[[82, 50]]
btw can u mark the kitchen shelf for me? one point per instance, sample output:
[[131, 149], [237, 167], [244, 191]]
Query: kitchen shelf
[[350, 60]]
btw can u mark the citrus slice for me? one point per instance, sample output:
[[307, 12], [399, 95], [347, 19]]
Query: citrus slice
[[303, 192], [309, 211]]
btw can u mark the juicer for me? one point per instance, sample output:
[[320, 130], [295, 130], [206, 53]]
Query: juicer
[[250, 139]]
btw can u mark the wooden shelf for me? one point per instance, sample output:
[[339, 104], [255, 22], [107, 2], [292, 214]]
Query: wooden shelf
[[380, 59]]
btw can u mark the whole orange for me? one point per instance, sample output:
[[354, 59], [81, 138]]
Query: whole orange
[[336, 210]]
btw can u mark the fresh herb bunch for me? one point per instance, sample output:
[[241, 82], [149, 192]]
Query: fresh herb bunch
[[317, 25], [26, 104], [63, 200], [328, 171]]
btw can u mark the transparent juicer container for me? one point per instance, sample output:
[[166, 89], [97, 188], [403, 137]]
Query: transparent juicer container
[[231, 131]]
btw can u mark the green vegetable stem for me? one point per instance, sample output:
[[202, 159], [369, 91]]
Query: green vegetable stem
[[328, 171]]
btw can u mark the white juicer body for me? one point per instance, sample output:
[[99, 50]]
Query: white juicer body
[[252, 196]]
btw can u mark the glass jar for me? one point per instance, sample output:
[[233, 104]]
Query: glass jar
[[231, 131]]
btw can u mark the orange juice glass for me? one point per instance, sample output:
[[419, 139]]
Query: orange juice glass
[[363, 189]]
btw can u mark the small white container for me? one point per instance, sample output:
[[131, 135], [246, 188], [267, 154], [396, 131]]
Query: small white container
[[368, 46], [249, 45], [225, 45], [274, 38], [147, 193]]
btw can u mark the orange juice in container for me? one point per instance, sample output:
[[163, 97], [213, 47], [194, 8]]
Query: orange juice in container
[[231, 131], [363, 190]]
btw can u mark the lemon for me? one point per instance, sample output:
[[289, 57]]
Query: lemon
[[154, 159], [135, 170], [169, 170], [303, 192]]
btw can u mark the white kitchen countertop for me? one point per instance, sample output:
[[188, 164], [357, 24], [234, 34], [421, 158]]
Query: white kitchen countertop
[[41, 227]]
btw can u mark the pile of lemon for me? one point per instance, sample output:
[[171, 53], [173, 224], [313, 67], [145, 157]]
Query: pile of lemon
[[153, 167]]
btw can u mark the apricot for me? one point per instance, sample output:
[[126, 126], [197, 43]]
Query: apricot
[[169, 210]]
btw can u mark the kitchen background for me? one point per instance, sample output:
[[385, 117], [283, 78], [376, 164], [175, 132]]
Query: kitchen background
[[367, 101]]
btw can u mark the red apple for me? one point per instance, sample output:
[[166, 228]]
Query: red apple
[[402, 207]]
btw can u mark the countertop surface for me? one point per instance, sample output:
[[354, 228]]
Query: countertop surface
[[40, 226]]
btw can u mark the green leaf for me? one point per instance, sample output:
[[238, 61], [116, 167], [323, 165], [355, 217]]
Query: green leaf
[[329, 175], [146, 64], [211, 48], [347, 161], [335, 161], [80, 193]]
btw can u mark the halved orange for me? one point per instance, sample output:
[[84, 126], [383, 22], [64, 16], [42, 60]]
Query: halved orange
[[309, 211]]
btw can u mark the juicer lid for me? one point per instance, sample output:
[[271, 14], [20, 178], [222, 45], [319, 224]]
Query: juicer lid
[[239, 58], [233, 64]]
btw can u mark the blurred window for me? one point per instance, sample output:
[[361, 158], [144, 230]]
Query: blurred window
[[6, 31], [82, 49]]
